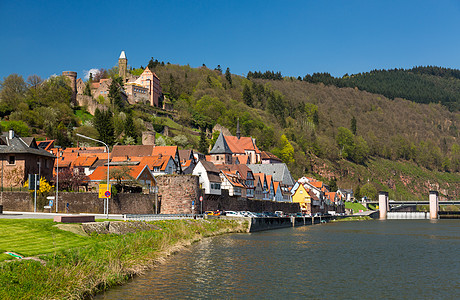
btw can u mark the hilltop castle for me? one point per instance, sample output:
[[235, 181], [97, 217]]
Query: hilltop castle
[[137, 89]]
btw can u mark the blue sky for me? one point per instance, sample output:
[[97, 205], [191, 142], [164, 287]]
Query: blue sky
[[294, 37]]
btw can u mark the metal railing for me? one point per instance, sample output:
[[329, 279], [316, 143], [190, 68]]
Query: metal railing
[[131, 217]]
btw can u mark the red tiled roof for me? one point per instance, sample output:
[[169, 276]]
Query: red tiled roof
[[166, 150], [156, 161], [267, 155], [132, 150], [84, 161], [232, 178], [240, 145], [276, 185], [100, 173]]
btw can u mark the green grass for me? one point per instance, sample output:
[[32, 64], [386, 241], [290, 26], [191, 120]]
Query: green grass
[[355, 206], [79, 266], [34, 237], [83, 115]]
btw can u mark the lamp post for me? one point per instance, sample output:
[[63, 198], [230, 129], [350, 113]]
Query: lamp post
[[108, 166], [57, 175]]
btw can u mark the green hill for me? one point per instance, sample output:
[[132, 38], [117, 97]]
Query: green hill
[[344, 135], [419, 84]]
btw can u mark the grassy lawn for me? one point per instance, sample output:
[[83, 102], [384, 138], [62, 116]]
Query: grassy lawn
[[34, 237], [355, 206], [75, 267]]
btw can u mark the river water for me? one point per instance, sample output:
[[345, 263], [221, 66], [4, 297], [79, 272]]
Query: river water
[[393, 259]]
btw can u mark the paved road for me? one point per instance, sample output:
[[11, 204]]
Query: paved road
[[31, 215]]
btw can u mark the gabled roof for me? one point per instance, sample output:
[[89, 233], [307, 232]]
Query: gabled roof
[[46, 145], [242, 169], [276, 185], [100, 173], [265, 155], [84, 161], [232, 178], [260, 177], [166, 150], [16, 145], [211, 170], [269, 180], [132, 150], [156, 161], [221, 146], [243, 159], [186, 155], [280, 172], [123, 55], [239, 145]]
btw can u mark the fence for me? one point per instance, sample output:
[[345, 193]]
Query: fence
[[408, 215], [130, 217]]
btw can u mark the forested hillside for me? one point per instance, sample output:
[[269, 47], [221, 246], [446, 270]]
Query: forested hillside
[[344, 135], [419, 84]]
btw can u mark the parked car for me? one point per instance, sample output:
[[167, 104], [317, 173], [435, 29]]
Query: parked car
[[231, 213], [269, 214]]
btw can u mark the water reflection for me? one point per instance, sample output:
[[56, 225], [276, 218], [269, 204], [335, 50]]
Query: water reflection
[[391, 259]]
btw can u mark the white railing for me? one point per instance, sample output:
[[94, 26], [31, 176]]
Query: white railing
[[161, 217], [408, 215]]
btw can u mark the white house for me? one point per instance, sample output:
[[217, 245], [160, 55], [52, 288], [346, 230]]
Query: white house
[[209, 177]]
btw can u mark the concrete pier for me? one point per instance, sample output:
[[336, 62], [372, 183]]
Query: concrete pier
[[434, 204], [383, 205]]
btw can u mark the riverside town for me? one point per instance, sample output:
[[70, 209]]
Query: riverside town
[[105, 176]]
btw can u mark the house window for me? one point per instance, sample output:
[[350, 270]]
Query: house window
[[11, 160]]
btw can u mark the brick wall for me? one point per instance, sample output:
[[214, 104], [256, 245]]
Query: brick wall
[[83, 203]]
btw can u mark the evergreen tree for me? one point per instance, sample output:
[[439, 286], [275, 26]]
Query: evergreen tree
[[115, 94], [247, 96], [353, 125], [203, 144], [129, 128], [228, 76], [103, 122], [218, 69]]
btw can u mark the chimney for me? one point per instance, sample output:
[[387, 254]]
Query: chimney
[[10, 134]]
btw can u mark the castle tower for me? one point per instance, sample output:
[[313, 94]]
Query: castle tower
[[123, 65], [73, 83]]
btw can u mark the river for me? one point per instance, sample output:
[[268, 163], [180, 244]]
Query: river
[[393, 259]]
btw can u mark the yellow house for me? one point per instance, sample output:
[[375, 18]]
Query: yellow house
[[302, 197]]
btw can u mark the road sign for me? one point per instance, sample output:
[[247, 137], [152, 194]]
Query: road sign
[[107, 194], [50, 197], [103, 189], [51, 203], [201, 198], [193, 203]]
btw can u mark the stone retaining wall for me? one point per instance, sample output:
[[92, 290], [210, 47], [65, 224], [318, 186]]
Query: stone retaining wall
[[125, 203]]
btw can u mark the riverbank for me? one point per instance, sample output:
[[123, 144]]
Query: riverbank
[[70, 265]]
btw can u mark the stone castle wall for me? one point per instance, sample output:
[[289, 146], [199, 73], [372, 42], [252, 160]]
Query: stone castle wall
[[90, 103], [177, 193]]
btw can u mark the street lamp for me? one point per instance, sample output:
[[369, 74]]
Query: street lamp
[[57, 175], [108, 166]]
